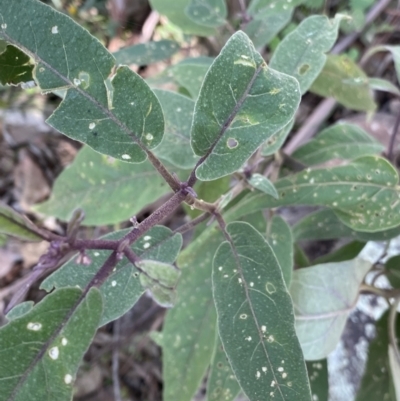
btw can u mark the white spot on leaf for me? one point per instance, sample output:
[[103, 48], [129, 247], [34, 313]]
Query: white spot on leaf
[[67, 379], [92, 125], [113, 283], [34, 326], [126, 157], [146, 245], [54, 29], [3, 26], [64, 341], [54, 353]]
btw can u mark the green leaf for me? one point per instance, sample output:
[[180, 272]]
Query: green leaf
[[147, 53], [395, 50], [264, 7], [175, 11], [14, 67], [257, 220], [189, 328], [209, 13], [383, 85], [123, 123], [123, 288], [241, 104], [263, 28], [392, 267], [323, 297], [94, 182], [318, 375], [20, 310], [324, 225], [346, 252], [376, 383], [160, 279], [302, 53], [280, 239], [342, 79], [175, 147], [12, 223], [221, 384], [363, 194], [255, 318], [263, 184], [339, 141], [394, 370], [41, 350], [275, 142]]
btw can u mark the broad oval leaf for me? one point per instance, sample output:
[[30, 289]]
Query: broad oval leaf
[[342, 79], [364, 194], [302, 53], [189, 327], [256, 320], [122, 124], [210, 13], [41, 350], [146, 53], [323, 297], [93, 182], [12, 223], [241, 104], [122, 288], [263, 184], [339, 141], [175, 147]]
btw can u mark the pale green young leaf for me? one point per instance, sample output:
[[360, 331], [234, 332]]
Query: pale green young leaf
[[175, 11], [383, 85], [93, 182], [41, 350], [339, 141], [122, 121], [263, 184], [342, 79], [325, 225], [318, 376], [275, 142], [221, 384], [209, 13], [302, 54], [323, 297], [364, 194], [256, 320], [13, 223], [263, 28], [189, 327], [175, 147], [279, 237], [146, 53], [122, 288], [241, 104]]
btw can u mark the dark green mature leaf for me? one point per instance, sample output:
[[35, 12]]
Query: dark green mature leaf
[[221, 384], [241, 104], [318, 375], [363, 194], [94, 182], [323, 297], [175, 11], [189, 328], [324, 225], [302, 53], [175, 147], [342, 79], [265, 26], [349, 251], [147, 53], [339, 141], [41, 350], [392, 267], [122, 124], [376, 383], [14, 67], [12, 223], [280, 239], [255, 318], [263, 184], [123, 288], [209, 13]]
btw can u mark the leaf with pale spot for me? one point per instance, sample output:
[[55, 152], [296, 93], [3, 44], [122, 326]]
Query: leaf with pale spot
[[275, 142], [122, 121], [210, 13], [241, 104], [41, 350], [318, 375], [256, 320], [122, 288], [324, 296]]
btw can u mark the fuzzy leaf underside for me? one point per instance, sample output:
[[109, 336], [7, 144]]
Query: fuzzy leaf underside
[[256, 320]]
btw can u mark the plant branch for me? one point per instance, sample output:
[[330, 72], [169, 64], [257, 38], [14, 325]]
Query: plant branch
[[192, 224], [392, 328]]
